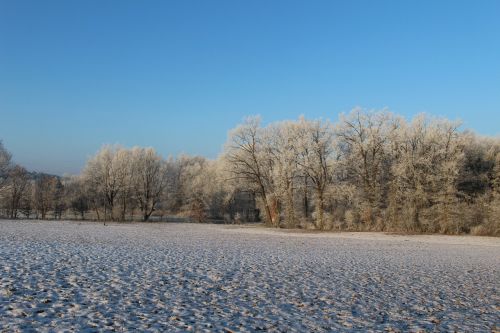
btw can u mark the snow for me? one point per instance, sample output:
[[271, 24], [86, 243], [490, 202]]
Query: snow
[[68, 276]]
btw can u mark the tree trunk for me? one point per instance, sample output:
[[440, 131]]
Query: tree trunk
[[266, 205], [321, 224], [124, 208], [290, 211]]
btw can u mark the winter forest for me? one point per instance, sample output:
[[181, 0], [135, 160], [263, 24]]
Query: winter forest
[[368, 171]]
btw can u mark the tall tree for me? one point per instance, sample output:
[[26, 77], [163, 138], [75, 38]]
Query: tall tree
[[316, 158], [281, 145], [248, 163], [365, 140]]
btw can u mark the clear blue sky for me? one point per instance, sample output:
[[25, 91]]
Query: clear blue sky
[[177, 75]]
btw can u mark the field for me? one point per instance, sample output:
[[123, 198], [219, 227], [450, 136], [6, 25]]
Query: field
[[89, 277]]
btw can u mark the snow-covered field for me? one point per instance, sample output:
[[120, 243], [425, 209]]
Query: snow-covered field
[[72, 276]]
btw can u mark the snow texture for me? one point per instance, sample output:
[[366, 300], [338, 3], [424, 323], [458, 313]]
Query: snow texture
[[86, 277]]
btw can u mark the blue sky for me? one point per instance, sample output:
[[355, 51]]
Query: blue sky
[[177, 75]]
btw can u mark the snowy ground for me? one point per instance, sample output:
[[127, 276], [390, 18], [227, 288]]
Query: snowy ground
[[151, 277]]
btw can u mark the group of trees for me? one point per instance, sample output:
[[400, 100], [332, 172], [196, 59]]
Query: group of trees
[[118, 179], [119, 184], [370, 171], [27, 193], [367, 171]]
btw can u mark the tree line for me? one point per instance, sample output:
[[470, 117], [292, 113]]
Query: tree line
[[370, 170]]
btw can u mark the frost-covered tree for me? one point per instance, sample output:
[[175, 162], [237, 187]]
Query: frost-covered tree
[[281, 139], [316, 158], [365, 139], [105, 176], [223, 192], [427, 162], [196, 187], [250, 164], [196, 178], [177, 178], [125, 198], [149, 177], [475, 178]]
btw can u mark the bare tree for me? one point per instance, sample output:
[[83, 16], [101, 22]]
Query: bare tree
[[76, 197], [44, 196], [16, 188], [26, 205]]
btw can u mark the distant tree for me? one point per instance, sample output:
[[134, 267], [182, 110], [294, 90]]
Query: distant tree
[[76, 197], [59, 202], [205, 193], [126, 197], [105, 176], [149, 179], [26, 207], [45, 195], [16, 189]]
